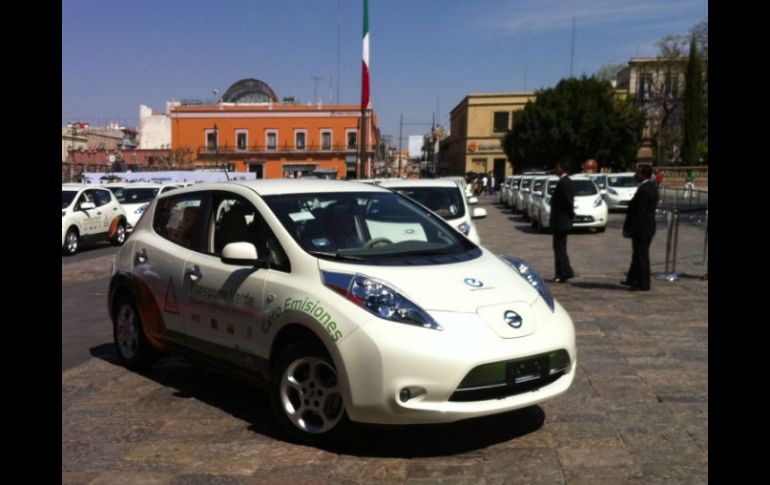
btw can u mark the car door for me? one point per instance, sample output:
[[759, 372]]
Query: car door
[[87, 219], [159, 262], [226, 300], [105, 209]]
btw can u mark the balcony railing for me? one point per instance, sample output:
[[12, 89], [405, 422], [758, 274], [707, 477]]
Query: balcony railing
[[284, 148]]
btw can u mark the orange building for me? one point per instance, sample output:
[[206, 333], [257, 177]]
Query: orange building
[[249, 130]]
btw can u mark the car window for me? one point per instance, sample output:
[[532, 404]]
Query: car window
[[444, 201], [551, 186], [181, 220], [101, 197], [132, 195], [622, 181], [236, 220], [370, 228], [84, 197], [584, 187], [66, 197]]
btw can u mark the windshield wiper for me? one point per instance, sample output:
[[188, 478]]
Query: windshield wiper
[[336, 255]]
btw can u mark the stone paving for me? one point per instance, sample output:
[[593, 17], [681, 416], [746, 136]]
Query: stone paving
[[636, 413]]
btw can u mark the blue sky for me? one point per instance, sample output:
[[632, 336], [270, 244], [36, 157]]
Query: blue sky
[[426, 55]]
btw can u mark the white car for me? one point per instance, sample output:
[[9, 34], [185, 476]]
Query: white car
[[349, 301], [621, 188], [505, 189], [90, 213], [445, 198], [590, 208], [135, 198], [513, 191], [536, 193], [464, 186]]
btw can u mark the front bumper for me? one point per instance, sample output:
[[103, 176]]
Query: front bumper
[[382, 359]]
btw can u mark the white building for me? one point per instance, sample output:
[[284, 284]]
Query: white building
[[154, 128]]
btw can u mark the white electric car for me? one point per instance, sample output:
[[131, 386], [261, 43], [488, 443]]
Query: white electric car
[[135, 198], [590, 208], [90, 213], [349, 301], [445, 198], [621, 188]]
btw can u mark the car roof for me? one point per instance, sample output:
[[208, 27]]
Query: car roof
[[419, 183], [621, 174], [284, 186]]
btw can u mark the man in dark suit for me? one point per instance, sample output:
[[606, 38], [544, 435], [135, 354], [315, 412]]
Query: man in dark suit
[[640, 227], [562, 213]]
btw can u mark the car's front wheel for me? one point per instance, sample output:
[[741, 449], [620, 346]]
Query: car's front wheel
[[133, 348], [71, 242], [306, 396], [120, 235]]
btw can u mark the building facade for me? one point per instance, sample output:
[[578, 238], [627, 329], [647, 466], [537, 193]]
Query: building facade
[[477, 126], [248, 130]]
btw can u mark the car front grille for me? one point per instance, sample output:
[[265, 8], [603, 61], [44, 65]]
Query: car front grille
[[583, 219], [498, 380]]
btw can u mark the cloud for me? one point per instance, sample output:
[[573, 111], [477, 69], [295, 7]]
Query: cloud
[[533, 16]]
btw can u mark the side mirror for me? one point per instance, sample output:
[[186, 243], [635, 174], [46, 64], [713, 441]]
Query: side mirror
[[84, 206], [240, 253], [603, 192], [473, 200], [478, 213]]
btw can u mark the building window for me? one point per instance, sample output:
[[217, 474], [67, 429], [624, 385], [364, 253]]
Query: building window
[[645, 86], [211, 140], [326, 140], [271, 140], [352, 137], [241, 139], [501, 121], [513, 118], [300, 137]]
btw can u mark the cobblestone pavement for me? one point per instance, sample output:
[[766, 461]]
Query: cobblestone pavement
[[636, 413]]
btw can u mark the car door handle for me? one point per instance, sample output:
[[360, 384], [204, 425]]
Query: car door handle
[[194, 273], [141, 256], [98, 213]]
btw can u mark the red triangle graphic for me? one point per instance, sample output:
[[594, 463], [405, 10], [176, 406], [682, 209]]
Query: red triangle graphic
[[171, 305]]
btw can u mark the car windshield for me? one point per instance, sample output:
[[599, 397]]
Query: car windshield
[[583, 187], [551, 186], [537, 185], [525, 183], [444, 201], [369, 227], [600, 181], [136, 195], [622, 181], [66, 197]]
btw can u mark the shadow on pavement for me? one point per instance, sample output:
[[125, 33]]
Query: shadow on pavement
[[251, 404], [599, 286]]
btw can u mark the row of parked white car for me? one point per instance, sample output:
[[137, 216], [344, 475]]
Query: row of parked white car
[[595, 195], [105, 212]]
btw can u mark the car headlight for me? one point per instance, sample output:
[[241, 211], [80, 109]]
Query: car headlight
[[598, 201], [612, 191], [141, 209], [464, 228], [378, 298], [533, 278]]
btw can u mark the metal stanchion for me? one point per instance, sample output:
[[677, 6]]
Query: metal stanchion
[[669, 229], [673, 276]]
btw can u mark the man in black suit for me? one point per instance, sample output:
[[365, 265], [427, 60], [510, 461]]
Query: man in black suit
[[562, 213], [640, 227]]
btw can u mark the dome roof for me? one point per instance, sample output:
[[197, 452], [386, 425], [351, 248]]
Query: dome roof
[[249, 91]]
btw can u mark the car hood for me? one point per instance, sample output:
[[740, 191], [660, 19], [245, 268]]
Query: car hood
[[458, 287], [585, 202], [625, 191]]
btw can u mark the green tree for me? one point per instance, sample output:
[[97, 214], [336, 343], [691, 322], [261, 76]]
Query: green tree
[[609, 72], [693, 107], [572, 122]]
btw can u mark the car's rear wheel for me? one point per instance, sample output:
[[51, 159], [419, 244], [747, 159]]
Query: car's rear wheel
[[120, 235], [306, 395], [133, 348], [601, 229], [71, 242]]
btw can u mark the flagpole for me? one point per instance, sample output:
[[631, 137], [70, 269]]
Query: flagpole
[[364, 165]]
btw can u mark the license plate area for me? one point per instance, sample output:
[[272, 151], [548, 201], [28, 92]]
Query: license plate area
[[522, 371]]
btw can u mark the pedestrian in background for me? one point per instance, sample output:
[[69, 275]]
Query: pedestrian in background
[[562, 214], [658, 177], [484, 184], [492, 183], [639, 226]]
